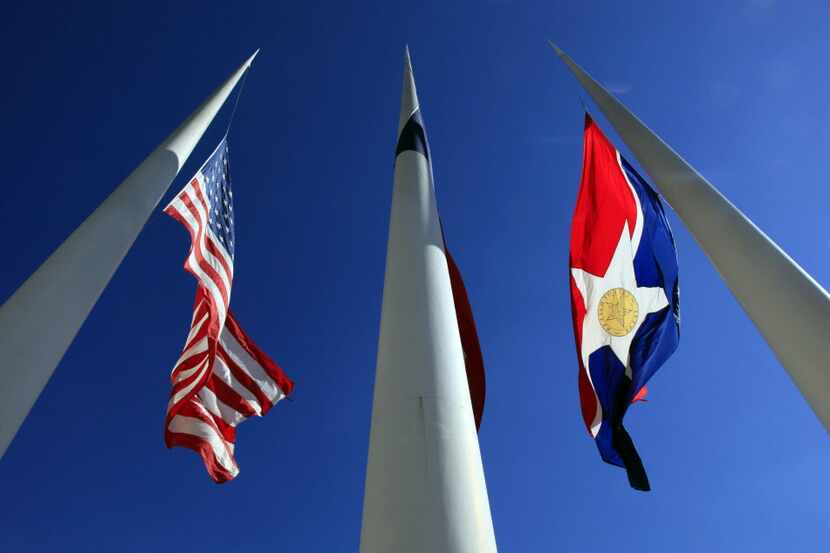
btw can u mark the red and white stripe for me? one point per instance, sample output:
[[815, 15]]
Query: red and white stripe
[[243, 382], [208, 261]]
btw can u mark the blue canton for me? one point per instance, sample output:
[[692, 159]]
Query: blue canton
[[220, 197]]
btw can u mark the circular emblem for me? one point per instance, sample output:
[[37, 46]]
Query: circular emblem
[[617, 312]]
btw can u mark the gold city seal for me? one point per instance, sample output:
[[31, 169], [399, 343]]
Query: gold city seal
[[617, 311]]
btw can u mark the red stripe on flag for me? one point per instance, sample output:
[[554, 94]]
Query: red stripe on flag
[[212, 247], [269, 365], [216, 471], [173, 212], [242, 376], [228, 432], [230, 397]]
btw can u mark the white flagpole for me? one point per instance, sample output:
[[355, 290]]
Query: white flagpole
[[425, 488], [789, 308], [40, 320]]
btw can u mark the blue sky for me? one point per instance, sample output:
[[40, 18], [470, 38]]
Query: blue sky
[[736, 458]]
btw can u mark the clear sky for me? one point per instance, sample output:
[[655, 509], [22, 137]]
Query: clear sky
[[737, 460]]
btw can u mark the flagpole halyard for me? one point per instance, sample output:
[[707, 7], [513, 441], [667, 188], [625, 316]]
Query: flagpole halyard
[[239, 93]]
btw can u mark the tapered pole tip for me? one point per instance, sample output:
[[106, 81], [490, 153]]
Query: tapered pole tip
[[409, 97], [407, 60], [251, 59], [556, 49]]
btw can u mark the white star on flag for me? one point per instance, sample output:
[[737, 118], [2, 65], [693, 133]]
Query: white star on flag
[[620, 274]]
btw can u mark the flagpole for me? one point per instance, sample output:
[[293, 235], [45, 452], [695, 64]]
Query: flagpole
[[425, 488], [789, 308], [40, 320]]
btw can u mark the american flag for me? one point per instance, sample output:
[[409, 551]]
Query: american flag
[[221, 377]]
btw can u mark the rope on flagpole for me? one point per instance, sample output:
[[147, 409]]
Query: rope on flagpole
[[236, 100]]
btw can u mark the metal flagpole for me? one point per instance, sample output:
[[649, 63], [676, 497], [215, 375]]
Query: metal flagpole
[[789, 308], [40, 320], [425, 488]]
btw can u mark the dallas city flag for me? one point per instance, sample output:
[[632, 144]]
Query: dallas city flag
[[222, 377], [624, 295]]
